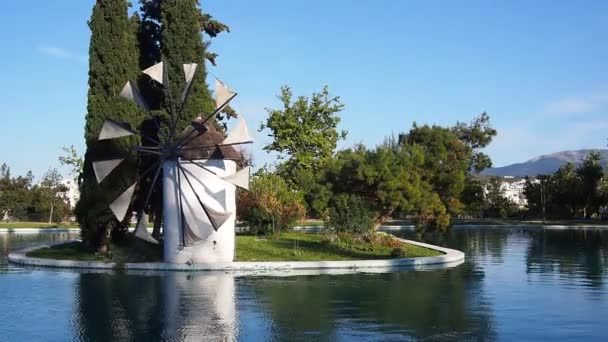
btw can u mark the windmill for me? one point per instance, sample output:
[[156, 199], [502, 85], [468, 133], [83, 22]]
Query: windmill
[[194, 205]]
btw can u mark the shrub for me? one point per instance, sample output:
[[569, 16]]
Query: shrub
[[349, 214], [397, 252], [270, 206]]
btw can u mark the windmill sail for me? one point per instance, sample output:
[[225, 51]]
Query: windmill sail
[[157, 73], [112, 129], [121, 204], [240, 178], [223, 94], [130, 92], [141, 230], [189, 71], [104, 167], [240, 134]]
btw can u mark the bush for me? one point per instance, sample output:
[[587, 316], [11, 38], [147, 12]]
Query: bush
[[397, 252], [349, 214], [271, 206]]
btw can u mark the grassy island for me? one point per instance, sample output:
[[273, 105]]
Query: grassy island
[[292, 246]]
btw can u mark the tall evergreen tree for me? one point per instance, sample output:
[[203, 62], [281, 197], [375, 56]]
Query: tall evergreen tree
[[172, 30], [113, 59]]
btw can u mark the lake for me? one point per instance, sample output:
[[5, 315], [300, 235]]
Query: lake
[[517, 284]]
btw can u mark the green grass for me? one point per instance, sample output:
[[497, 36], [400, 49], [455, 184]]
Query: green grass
[[288, 247], [66, 251], [20, 225], [311, 247], [129, 250]]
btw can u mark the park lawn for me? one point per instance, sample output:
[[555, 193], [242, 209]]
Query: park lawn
[[287, 247], [294, 246], [66, 251]]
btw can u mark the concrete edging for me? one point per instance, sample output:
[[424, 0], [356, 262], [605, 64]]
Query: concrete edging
[[451, 257]]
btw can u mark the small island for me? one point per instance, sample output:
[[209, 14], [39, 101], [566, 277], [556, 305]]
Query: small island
[[291, 246]]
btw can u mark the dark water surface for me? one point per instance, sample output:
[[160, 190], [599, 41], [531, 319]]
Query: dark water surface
[[517, 284]]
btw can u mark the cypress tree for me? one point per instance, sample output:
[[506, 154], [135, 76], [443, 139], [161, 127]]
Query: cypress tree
[[182, 42], [113, 60]]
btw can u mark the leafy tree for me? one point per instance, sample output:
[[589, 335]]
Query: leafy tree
[[385, 178], [113, 60], [496, 204], [348, 213], [590, 174], [304, 131], [52, 189], [473, 196], [15, 194], [73, 160], [476, 135], [446, 161], [271, 206]]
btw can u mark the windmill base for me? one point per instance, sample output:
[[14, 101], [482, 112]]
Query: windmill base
[[181, 246]]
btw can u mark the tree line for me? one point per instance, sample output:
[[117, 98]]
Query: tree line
[[572, 192], [21, 199], [423, 173]]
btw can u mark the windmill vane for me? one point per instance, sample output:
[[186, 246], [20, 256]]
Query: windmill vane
[[194, 219]]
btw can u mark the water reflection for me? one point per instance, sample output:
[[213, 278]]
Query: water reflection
[[190, 307], [576, 254], [516, 284], [169, 307]]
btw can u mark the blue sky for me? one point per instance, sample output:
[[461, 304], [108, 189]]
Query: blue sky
[[537, 67]]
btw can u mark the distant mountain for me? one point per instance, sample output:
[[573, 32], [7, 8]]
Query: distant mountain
[[548, 163]]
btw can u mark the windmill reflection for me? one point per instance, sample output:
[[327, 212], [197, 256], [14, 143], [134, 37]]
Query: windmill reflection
[[168, 307]]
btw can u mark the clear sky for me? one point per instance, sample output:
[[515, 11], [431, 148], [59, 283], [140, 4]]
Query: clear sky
[[537, 67]]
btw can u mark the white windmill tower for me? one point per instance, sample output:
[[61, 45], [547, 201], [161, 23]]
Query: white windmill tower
[[199, 176]]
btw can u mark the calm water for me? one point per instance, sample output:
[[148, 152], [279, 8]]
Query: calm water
[[517, 284]]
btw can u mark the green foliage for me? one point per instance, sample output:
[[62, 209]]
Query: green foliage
[[304, 131], [571, 192], [446, 161], [314, 247], [15, 194], [271, 206], [181, 42], [22, 200], [476, 135], [349, 214], [113, 60], [384, 178], [73, 160]]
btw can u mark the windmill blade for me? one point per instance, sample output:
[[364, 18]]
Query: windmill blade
[[112, 129], [121, 204], [157, 73], [240, 178], [216, 218], [223, 94], [240, 134], [130, 92], [103, 168], [141, 230], [189, 72]]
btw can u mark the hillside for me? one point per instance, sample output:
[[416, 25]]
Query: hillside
[[548, 163]]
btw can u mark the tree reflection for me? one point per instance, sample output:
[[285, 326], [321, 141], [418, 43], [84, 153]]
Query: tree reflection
[[168, 307], [573, 253], [435, 304]]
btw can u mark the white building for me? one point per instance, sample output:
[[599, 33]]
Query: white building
[[513, 189], [73, 193]]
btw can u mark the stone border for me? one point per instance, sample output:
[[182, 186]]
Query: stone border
[[450, 258]]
